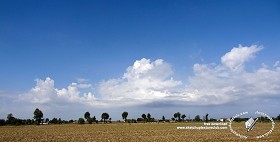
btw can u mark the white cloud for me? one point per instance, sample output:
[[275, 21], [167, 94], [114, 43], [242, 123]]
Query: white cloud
[[149, 81], [41, 93], [236, 58], [276, 64], [144, 81], [229, 82], [45, 92]]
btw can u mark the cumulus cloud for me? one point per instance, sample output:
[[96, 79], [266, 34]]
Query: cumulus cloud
[[45, 92], [236, 58], [229, 81], [225, 82], [146, 82], [41, 93]]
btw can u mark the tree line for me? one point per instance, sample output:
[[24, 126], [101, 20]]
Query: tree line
[[105, 118]]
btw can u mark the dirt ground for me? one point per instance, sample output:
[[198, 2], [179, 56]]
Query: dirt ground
[[135, 132]]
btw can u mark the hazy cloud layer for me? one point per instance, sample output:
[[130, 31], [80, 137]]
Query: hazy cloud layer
[[147, 82]]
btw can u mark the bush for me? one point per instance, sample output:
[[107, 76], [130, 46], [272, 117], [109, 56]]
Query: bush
[[2, 122], [90, 120], [81, 121]]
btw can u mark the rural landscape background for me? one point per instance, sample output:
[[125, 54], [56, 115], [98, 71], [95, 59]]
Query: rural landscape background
[[166, 63]]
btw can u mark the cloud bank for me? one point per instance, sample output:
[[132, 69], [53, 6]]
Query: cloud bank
[[147, 82]]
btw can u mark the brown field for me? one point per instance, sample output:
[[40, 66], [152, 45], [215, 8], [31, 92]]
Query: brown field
[[132, 132]]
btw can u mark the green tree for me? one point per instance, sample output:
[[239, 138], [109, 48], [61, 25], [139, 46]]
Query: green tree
[[163, 118], [105, 116], [197, 118], [178, 116], [149, 116], [59, 121], [47, 120], [124, 115], [278, 117], [144, 117], [38, 115], [94, 119], [183, 117], [81, 121], [90, 120], [54, 121], [87, 115], [10, 119], [2, 122], [10, 116]]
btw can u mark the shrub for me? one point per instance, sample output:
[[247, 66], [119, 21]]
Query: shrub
[[81, 121], [2, 122], [90, 120]]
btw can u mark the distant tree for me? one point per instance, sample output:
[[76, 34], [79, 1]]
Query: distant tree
[[59, 121], [10, 116], [124, 115], [47, 120], [2, 122], [28, 122], [38, 115], [197, 118], [178, 116], [144, 117], [173, 119], [94, 119], [175, 115], [87, 115], [149, 116], [54, 121], [212, 119], [206, 118], [183, 117], [105, 116], [10, 119], [278, 117], [163, 118], [139, 119], [90, 120], [81, 121]]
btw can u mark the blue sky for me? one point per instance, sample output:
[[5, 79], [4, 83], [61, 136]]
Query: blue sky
[[111, 48]]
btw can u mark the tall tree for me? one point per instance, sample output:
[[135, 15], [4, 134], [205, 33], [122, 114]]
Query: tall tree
[[183, 117], [105, 116], [38, 115], [144, 117], [178, 116], [175, 115], [47, 120], [149, 116], [87, 115], [163, 118], [124, 115], [206, 118]]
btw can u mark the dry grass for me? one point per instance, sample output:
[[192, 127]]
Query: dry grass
[[130, 132]]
